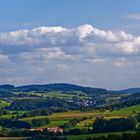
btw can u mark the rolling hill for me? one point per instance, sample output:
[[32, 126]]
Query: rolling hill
[[130, 90], [62, 87]]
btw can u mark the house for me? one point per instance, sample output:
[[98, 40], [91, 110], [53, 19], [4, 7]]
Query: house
[[55, 130], [37, 129]]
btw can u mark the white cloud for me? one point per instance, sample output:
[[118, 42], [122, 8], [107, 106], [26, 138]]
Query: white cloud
[[46, 55], [132, 47], [54, 54], [70, 44], [85, 37], [62, 36], [88, 32]]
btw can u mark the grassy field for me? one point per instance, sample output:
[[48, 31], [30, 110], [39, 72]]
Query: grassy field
[[85, 123], [70, 137], [66, 115], [12, 114], [13, 138], [7, 116], [57, 119], [83, 137], [3, 104], [56, 95], [62, 95]]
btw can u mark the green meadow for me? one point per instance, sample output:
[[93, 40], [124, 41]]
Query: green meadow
[[58, 119], [55, 94], [3, 104], [84, 136]]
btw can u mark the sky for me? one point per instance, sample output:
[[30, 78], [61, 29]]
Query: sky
[[86, 42]]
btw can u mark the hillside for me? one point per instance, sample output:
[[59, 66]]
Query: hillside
[[129, 90], [62, 87], [72, 108]]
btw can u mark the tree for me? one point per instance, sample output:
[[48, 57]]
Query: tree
[[39, 122], [114, 125]]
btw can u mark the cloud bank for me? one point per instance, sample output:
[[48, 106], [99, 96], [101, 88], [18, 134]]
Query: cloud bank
[[52, 49]]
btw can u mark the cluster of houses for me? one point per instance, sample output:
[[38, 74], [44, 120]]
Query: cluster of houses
[[50, 130], [83, 102], [55, 130]]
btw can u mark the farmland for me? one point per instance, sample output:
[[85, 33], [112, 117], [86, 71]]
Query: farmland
[[3, 104], [83, 137], [58, 119], [71, 108]]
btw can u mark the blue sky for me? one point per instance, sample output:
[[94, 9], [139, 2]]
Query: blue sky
[[101, 13], [87, 42]]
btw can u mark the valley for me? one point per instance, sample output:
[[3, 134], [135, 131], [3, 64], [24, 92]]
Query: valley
[[72, 108]]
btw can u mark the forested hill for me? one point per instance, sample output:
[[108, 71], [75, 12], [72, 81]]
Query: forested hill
[[56, 87], [64, 87], [130, 90]]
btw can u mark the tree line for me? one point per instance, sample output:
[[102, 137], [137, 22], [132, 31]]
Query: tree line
[[15, 123], [114, 125]]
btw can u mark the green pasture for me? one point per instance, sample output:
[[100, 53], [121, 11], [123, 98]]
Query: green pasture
[[56, 94], [58, 119], [3, 104], [83, 137], [13, 138]]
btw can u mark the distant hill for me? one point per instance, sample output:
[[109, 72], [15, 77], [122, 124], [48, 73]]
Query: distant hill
[[7, 87], [130, 90], [66, 88], [62, 87], [5, 93]]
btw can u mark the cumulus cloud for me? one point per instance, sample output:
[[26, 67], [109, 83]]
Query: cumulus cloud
[[60, 35], [84, 43], [88, 32], [46, 55], [83, 51], [99, 40], [70, 44], [38, 36]]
